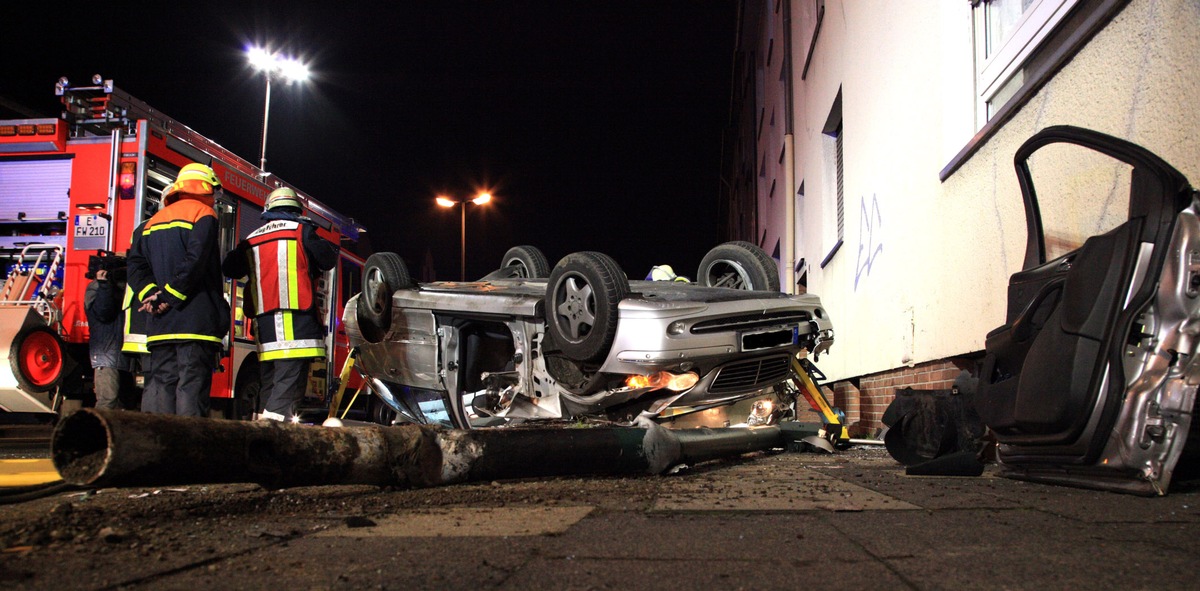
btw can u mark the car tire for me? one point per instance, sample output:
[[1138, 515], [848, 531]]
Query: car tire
[[383, 274], [582, 296], [526, 262], [379, 412], [739, 265], [37, 359]]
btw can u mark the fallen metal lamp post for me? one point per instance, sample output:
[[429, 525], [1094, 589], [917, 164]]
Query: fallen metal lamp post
[[100, 448]]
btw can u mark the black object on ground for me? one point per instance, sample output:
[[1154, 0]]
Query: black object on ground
[[936, 432]]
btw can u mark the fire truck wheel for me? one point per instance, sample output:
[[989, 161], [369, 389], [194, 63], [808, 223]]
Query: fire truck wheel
[[526, 262], [36, 358], [582, 295], [740, 265], [246, 393], [383, 274]]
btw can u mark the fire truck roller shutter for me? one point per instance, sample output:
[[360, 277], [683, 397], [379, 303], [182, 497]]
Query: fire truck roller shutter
[[32, 190]]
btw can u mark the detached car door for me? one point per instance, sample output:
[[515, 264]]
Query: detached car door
[[1092, 379]]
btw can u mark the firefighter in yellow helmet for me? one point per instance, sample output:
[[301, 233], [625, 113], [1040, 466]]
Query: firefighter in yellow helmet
[[282, 259], [175, 274]]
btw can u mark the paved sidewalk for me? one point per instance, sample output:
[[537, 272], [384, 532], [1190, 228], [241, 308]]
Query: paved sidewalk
[[788, 521]]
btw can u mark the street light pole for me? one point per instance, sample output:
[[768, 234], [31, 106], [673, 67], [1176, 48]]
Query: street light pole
[[271, 65], [462, 203], [262, 160], [462, 247]]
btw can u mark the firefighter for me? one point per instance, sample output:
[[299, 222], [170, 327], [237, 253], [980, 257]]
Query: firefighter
[[175, 272], [282, 259]]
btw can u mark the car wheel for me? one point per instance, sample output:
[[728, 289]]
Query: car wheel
[[526, 262], [379, 412], [739, 265], [383, 274], [37, 359], [582, 295]]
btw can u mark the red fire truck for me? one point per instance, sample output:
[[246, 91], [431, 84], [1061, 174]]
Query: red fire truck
[[79, 184]]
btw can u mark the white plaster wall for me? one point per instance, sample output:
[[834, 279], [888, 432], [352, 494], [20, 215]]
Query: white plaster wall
[[926, 279]]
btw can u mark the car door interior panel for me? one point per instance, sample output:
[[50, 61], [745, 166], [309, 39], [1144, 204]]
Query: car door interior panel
[[1089, 381]]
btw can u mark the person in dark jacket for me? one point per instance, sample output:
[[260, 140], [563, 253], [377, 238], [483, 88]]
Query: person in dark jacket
[[282, 259], [175, 272], [105, 328]]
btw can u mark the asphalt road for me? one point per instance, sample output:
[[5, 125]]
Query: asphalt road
[[852, 520]]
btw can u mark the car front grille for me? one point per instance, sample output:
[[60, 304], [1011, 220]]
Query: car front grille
[[751, 321], [744, 376]]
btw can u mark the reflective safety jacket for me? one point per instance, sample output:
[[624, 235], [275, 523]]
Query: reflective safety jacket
[[279, 273], [134, 338], [282, 260], [176, 253]]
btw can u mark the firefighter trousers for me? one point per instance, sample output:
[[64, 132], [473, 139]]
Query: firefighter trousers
[[284, 382], [180, 378]]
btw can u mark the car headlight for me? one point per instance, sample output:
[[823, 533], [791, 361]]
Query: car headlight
[[677, 382]]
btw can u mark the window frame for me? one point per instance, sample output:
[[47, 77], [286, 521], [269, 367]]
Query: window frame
[[834, 131], [992, 73], [1040, 66]]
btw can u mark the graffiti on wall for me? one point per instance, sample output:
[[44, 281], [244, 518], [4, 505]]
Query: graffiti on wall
[[870, 238]]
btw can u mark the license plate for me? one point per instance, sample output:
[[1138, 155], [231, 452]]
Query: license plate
[[767, 339]]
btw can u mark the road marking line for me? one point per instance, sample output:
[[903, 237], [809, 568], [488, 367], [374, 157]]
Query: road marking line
[[24, 472]]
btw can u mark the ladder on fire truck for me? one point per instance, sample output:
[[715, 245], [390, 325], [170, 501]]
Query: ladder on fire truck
[[37, 281], [103, 108], [29, 315]]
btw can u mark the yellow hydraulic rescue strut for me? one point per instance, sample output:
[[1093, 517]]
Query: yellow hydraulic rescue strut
[[344, 377], [835, 430]]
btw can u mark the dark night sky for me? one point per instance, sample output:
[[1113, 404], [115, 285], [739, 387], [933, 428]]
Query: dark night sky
[[596, 124]]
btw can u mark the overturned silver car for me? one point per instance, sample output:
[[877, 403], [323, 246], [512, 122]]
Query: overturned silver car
[[581, 341]]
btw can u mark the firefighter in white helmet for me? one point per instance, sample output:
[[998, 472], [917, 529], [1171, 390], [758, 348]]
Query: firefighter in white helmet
[[282, 260]]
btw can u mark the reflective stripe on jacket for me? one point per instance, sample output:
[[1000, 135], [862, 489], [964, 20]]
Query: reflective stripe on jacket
[[285, 334], [134, 339], [279, 268]]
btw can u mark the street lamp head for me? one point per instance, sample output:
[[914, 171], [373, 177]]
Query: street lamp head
[[261, 59], [482, 198], [291, 69], [272, 65], [445, 202]]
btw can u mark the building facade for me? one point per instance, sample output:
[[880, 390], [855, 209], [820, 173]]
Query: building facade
[[870, 151]]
